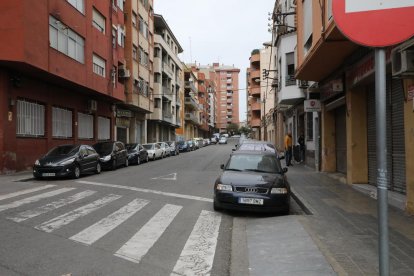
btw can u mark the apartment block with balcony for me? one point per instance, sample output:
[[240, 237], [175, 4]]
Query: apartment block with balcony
[[131, 124], [59, 80], [343, 80], [162, 123], [254, 99], [191, 104]]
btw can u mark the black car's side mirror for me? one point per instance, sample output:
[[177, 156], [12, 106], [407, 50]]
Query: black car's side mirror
[[222, 166], [233, 149], [285, 170]]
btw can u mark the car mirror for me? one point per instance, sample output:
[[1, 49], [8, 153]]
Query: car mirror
[[233, 149], [222, 166], [285, 170]]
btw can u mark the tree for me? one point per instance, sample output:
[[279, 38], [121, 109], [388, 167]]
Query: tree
[[245, 130], [232, 128]]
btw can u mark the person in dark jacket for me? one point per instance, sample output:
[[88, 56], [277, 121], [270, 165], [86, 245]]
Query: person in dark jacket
[[301, 142]]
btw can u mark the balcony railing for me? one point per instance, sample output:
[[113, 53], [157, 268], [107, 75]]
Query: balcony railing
[[189, 84], [290, 80], [167, 93], [192, 118], [167, 116], [190, 102], [167, 69]]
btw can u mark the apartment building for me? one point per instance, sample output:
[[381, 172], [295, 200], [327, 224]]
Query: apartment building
[[254, 109], [138, 72], [191, 104], [59, 75], [204, 103], [343, 73], [168, 85]]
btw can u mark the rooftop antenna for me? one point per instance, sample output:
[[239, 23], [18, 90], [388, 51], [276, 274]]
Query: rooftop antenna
[[191, 55]]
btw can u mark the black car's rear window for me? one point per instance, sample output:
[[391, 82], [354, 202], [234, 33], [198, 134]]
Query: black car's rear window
[[252, 162], [104, 148], [131, 146], [63, 150]]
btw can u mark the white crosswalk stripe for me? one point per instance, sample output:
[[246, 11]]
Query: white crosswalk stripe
[[33, 199], [23, 192], [198, 253], [58, 222], [104, 226], [134, 249], [51, 206]]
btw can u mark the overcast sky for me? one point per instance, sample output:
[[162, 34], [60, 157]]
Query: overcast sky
[[224, 31]]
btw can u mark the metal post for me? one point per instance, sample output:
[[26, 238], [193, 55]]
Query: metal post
[[381, 128], [265, 123]]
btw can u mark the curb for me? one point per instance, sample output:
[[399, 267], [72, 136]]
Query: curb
[[302, 202]]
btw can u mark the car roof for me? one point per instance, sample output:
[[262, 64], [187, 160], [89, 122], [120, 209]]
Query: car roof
[[252, 152]]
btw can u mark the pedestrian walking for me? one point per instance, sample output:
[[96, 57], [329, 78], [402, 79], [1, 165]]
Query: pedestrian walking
[[301, 142], [288, 149]]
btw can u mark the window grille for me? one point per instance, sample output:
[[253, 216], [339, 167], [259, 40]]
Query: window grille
[[85, 126], [61, 122], [104, 127], [30, 119], [98, 65]]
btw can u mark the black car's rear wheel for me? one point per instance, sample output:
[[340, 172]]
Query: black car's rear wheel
[[215, 206], [114, 165]]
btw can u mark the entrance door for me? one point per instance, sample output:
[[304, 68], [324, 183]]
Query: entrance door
[[121, 134]]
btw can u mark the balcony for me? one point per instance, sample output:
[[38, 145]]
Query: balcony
[[256, 106], [192, 118], [255, 58], [167, 116], [255, 74], [167, 93], [191, 103], [255, 90], [167, 69], [290, 80], [255, 122], [190, 85]]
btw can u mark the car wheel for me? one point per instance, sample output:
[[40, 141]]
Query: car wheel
[[126, 162], [215, 206], [114, 165], [147, 160], [138, 160], [76, 171], [98, 168]]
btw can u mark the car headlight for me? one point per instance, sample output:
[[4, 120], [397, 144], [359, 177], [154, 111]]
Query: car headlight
[[67, 162], [224, 187], [37, 163], [106, 158], [279, 191]]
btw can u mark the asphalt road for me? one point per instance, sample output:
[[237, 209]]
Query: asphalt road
[[153, 219]]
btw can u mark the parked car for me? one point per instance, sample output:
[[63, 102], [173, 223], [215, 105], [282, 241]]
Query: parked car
[[191, 145], [222, 140], [67, 161], [255, 145], [196, 144], [173, 148], [252, 181], [136, 153], [183, 146], [165, 149], [214, 140], [154, 151], [112, 154]]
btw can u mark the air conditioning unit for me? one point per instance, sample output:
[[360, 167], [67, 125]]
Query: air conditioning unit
[[402, 62], [92, 105], [123, 72]]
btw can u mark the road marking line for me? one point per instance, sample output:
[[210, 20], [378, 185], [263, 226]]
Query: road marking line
[[105, 225], [147, 191], [134, 249], [50, 206], [371, 5], [23, 192], [198, 254], [167, 177], [33, 199], [67, 218]]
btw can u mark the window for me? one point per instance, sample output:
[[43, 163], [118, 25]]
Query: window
[[30, 119], [104, 126], [143, 27], [121, 36], [329, 9], [61, 122], [85, 126], [134, 52], [145, 3], [143, 57], [307, 23], [120, 4], [98, 21], [114, 36], [290, 69], [157, 103], [134, 19], [65, 40], [99, 66], [78, 4], [309, 126]]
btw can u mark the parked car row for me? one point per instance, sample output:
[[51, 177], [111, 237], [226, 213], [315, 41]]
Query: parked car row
[[193, 144], [75, 160]]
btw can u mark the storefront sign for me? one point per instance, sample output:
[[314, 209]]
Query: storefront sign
[[123, 113], [312, 106], [331, 89], [410, 92]]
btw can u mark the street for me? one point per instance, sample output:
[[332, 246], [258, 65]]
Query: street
[[153, 219]]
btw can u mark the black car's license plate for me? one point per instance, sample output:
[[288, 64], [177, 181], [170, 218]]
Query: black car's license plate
[[253, 201]]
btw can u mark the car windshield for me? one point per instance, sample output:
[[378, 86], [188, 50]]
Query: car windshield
[[104, 148], [130, 146], [148, 146], [253, 162], [180, 143], [257, 147], [63, 150]]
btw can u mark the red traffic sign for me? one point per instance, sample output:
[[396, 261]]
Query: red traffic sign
[[375, 23]]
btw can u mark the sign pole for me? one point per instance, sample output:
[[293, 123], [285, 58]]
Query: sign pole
[[381, 129]]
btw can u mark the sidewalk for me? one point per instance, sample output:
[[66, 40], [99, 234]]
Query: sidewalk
[[339, 237]]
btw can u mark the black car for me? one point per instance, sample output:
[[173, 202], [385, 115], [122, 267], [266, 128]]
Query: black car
[[67, 161], [183, 146], [254, 145], [252, 181], [136, 153], [112, 154], [174, 148]]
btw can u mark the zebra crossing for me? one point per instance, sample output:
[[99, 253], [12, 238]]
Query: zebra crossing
[[197, 254]]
